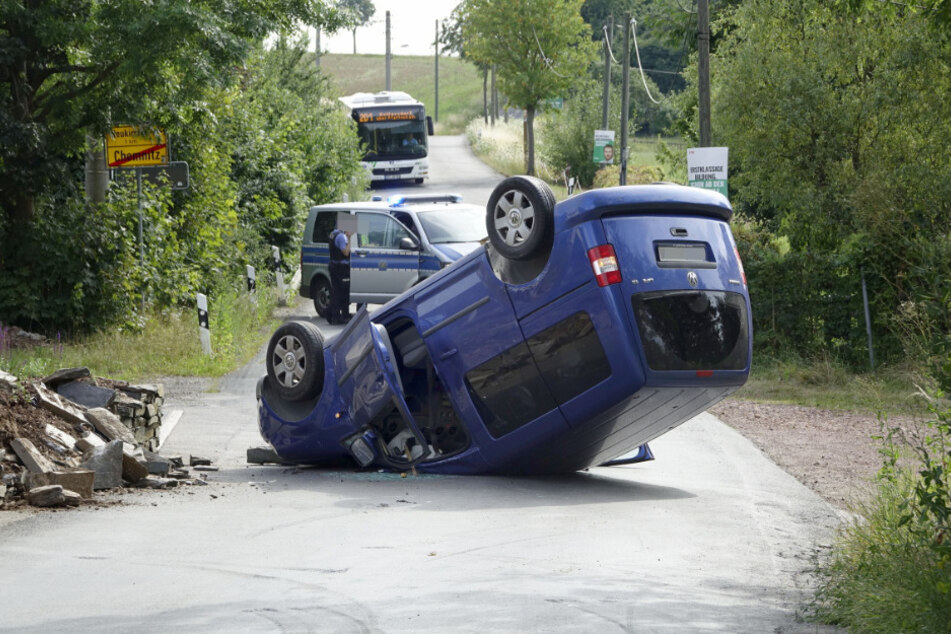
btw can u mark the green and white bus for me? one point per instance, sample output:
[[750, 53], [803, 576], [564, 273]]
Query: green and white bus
[[394, 131]]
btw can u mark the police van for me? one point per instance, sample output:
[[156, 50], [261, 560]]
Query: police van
[[396, 244]]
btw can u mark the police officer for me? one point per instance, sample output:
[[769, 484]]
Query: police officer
[[339, 311]]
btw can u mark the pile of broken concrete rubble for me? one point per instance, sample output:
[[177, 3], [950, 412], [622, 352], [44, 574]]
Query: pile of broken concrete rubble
[[93, 435]]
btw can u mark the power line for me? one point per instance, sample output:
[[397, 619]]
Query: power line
[[637, 52], [545, 57]]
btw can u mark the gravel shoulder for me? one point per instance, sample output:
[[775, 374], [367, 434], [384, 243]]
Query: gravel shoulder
[[834, 453]]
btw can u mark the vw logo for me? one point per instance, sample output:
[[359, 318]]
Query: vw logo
[[692, 279]]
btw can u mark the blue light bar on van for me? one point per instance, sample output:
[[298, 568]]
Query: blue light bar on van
[[397, 201]]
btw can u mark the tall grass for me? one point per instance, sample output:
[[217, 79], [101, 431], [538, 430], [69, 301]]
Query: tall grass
[[880, 578], [501, 146], [460, 84], [168, 343]]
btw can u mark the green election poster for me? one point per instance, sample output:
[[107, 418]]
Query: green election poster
[[604, 147]]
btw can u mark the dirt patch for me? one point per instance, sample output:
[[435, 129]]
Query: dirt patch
[[834, 453], [19, 418]]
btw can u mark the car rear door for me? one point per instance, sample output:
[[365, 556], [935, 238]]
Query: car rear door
[[379, 268]]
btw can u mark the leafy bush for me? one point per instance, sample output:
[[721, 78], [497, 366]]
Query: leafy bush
[[609, 176], [260, 151], [569, 133], [890, 570]]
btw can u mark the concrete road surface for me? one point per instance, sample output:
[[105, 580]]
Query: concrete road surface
[[710, 537]]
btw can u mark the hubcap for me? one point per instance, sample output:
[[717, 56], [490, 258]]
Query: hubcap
[[289, 361], [514, 218]]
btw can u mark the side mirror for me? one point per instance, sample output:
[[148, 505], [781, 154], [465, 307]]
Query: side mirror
[[429, 125], [408, 244]]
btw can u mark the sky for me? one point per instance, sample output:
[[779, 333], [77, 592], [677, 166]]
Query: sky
[[412, 28]]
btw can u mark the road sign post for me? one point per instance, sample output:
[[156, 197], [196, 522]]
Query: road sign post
[[137, 147]]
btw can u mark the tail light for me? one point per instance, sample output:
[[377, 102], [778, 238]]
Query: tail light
[[739, 262], [604, 264]]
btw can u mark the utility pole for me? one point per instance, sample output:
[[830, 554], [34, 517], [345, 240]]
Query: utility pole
[[625, 96], [388, 82], [703, 45], [436, 106], [606, 97]]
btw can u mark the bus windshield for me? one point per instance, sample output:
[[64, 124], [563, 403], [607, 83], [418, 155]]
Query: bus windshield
[[389, 134]]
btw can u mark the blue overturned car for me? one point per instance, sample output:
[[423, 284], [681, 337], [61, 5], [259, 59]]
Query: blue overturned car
[[576, 334]]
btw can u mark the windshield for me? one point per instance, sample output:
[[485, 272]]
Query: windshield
[[454, 224], [393, 139]]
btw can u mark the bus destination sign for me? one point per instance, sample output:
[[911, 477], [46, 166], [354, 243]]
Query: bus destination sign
[[374, 116]]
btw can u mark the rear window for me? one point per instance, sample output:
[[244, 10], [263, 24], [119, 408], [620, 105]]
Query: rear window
[[693, 330]]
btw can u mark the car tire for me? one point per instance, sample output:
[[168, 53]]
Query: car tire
[[419, 181], [320, 291], [520, 217], [295, 361]]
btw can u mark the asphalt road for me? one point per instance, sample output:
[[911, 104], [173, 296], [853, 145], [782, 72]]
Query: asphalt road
[[711, 536]]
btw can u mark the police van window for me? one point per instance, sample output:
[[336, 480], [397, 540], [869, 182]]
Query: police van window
[[407, 221], [381, 232], [324, 224]]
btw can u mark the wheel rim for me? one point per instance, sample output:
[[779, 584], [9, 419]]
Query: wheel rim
[[289, 361], [514, 218]]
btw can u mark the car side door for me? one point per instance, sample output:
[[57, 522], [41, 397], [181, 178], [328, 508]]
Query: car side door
[[381, 264]]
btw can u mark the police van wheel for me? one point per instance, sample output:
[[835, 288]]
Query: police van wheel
[[320, 289], [295, 361], [520, 217]]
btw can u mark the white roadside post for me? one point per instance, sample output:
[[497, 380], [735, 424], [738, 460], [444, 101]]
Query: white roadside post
[[278, 274], [203, 332], [252, 282]]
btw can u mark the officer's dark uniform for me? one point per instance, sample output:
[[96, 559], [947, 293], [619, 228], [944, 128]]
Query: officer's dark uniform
[[339, 310]]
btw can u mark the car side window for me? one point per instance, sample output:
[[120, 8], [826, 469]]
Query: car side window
[[529, 379], [380, 232]]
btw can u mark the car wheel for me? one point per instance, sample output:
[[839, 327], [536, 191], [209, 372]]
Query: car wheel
[[419, 181], [520, 217], [320, 289], [295, 361]]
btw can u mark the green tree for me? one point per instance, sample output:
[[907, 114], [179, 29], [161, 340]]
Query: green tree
[[539, 48], [835, 117], [260, 136], [71, 67], [360, 13]]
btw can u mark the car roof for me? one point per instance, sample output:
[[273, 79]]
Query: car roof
[[416, 203]]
